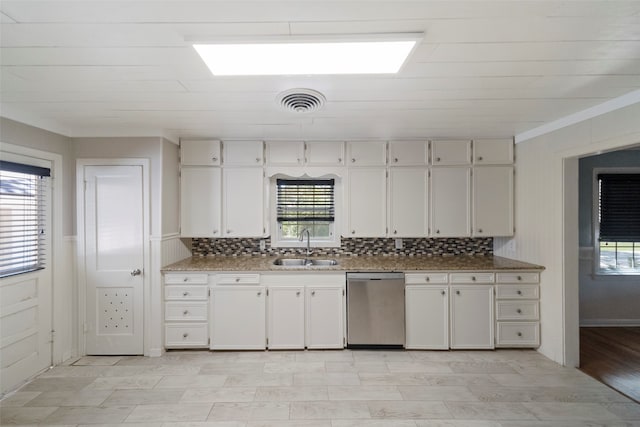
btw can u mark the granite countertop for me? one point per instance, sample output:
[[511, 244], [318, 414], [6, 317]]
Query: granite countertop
[[353, 263]]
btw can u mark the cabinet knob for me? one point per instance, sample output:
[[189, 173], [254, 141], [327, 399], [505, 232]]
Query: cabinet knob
[[480, 158], [237, 279], [186, 279], [353, 231], [228, 231], [473, 278], [185, 312], [519, 311], [395, 160], [258, 159], [427, 279], [437, 231], [185, 293], [339, 159], [519, 292], [353, 160], [313, 293], [479, 230], [215, 159], [395, 231], [457, 292], [437, 159], [519, 334], [259, 293], [185, 335], [443, 292], [298, 293]]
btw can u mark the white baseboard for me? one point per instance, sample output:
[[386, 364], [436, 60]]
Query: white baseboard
[[593, 323], [155, 352]]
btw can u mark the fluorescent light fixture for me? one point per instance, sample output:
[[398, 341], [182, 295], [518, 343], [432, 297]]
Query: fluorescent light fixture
[[381, 54]]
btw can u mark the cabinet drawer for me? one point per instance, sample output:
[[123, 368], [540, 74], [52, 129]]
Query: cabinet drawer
[[517, 310], [238, 279], [471, 277], [421, 278], [517, 292], [517, 277], [518, 334], [185, 278], [186, 335], [185, 292], [182, 311]]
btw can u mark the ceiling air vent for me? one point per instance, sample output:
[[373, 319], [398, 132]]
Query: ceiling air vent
[[301, 100]]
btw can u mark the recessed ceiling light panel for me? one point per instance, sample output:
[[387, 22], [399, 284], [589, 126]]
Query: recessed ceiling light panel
[[308, 56]]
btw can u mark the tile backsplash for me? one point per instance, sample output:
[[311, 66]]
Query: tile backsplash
[[349, 247]]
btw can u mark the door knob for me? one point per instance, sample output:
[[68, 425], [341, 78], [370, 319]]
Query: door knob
[[136, 272]]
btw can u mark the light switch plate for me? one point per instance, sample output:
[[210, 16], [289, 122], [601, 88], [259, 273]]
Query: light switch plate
[[399, 244], [263, 245]]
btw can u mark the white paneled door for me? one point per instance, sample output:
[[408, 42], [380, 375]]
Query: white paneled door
[[114, 259]]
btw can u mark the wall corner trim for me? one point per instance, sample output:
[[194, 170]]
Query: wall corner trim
[[580, 116]]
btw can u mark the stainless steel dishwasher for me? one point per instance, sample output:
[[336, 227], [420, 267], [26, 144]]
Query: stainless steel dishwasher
[[375, 310]]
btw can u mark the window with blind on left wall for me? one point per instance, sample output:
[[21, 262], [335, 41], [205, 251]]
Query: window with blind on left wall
[[24, 198]]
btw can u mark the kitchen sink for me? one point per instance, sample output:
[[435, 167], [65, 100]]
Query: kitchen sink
[[305, 262]]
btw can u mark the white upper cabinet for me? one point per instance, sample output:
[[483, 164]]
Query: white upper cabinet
[[408, 202], [367, 153], [493, 201], [243, 206], [200, 152], [243, 153], [324, 153], [367, 203], [493, 151], [200, 204], [450, 153], [451, 202], [285, 153], [408, 153]]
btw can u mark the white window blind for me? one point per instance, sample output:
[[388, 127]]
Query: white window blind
[[23, 207], [305, 200]]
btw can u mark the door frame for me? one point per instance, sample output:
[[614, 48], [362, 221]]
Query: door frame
[[81, 254]]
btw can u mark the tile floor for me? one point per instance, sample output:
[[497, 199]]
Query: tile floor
[[319, 388]]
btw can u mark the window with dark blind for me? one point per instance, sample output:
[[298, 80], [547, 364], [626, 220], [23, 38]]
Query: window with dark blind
[[23, 207], [619, 222], [309, 204]]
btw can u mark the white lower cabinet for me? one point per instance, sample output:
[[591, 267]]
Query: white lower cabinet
[[285, 317], [238, 317], [325, 312], [471, 316], [427, 317], [185, 310], [517, 309]]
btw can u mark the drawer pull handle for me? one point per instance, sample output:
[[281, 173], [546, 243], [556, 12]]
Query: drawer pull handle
[[185, 312], [480, 158], [185, 294], [185, 335], [519, 292], [427, 279], [519, 277], [457, 292], [519, 311], [186, 279], [237, 279], [519, 334], [473, 278]]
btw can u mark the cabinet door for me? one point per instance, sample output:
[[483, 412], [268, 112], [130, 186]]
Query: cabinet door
[[320, 153], [200, 196], [447, 153], [427, 317], [243, 190], [367, 202], [242, 153], [408, 153], [493, 151], [285, 317], [325, 317], [450, 202], [408, 202], [471, 316], [285, 153], [200, 153], [367, 153], [238, 318], [493, 201]]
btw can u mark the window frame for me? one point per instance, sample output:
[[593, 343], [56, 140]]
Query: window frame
[[596, 220], [278, 241]]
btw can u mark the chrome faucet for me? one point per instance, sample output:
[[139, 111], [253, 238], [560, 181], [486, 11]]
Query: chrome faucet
[[308, 239]]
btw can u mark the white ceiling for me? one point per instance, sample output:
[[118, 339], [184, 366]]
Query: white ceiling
[[484, 69]]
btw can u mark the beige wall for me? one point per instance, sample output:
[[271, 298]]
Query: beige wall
[[547, 217], [16, 133]]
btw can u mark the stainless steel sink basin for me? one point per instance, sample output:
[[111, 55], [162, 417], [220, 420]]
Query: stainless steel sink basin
[[305, 262]]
